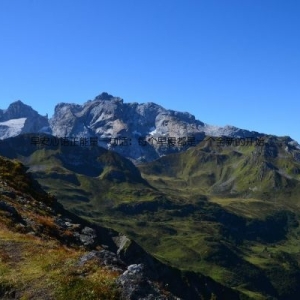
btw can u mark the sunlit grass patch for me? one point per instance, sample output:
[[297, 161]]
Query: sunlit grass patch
[[32, 265]]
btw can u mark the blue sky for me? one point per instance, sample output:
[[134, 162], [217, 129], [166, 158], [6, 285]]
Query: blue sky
[[231, 62]]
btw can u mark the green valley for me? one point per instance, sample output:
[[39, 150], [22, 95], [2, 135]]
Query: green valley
[[230, 213]]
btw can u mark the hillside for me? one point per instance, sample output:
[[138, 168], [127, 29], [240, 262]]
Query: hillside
[[244, 212], [79, 175], [268, 170], [47, 252], [230, 213], [41, 245]]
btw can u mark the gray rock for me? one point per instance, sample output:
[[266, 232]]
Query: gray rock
[[135, 269], [88, 231], [103, 258], [87, 257], [86, 237], [86, 240], [136, 286]]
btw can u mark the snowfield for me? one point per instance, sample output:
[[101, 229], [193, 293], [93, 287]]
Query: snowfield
[[11, 127]]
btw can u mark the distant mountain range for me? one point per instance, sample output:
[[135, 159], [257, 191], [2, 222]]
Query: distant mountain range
[[142, 132]]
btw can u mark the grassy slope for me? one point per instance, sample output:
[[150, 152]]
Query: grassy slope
[[253, 183], [79, 176], [201, 214], [31, 268], [230, 171], [39, 257], [41, 267]]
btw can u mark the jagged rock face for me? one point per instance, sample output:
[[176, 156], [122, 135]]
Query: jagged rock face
[[146, 130], [111, 117], [21, 118], [142, 132], [17, 110]]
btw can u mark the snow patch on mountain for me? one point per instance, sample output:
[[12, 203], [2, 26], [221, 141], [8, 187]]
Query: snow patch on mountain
[[11, 127]]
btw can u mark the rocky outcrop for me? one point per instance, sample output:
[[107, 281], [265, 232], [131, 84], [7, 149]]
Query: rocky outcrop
[[185, 285], [135, 285]]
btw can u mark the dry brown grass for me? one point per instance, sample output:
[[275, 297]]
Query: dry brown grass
[[34, 267]]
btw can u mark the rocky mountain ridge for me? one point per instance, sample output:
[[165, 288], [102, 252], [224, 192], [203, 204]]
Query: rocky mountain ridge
[[21, 118], [142, 132]]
